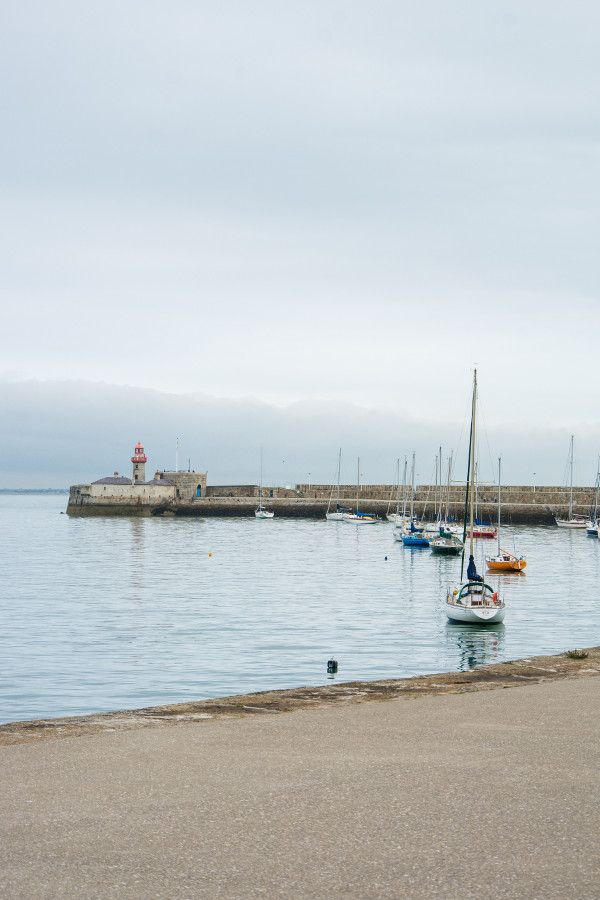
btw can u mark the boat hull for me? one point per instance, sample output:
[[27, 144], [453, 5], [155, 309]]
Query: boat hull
[[483, 532], [263, 514], [504, 565], [570, 523], [484, 615], [446, 549], [360, 520], [414, 540]]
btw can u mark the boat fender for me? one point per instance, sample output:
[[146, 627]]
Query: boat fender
[[495, 597]]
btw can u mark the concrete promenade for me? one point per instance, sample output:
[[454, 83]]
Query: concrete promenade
[[479, 793]]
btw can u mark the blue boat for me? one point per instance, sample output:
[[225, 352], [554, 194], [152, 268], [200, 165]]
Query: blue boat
[[414, 537]]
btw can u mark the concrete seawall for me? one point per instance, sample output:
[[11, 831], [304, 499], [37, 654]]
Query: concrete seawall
[[520, 505]]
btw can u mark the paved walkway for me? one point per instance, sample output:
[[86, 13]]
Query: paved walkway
[[488, 794]]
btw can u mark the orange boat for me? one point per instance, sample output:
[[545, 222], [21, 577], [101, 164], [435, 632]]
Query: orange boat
[[505, 562]]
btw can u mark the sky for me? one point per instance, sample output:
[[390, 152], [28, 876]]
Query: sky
[[326, 210]]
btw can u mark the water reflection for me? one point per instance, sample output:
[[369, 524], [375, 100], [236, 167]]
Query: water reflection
[[475, 645], [137, 559]]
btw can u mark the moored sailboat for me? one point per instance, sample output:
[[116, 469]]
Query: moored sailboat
[[411, 535], [357, 517], [504, 561], [571, 521], [340, 512], [447, 542], [261, 512], [473, 601]]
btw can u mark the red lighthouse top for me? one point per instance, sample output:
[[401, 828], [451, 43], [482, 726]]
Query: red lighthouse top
[[138, 454]]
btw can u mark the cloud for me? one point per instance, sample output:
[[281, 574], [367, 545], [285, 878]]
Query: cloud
[[58, 433]]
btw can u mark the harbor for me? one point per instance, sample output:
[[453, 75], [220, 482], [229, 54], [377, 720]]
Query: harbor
[[139, 611]]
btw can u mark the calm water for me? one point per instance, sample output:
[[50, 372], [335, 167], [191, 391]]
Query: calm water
[[105, 614]]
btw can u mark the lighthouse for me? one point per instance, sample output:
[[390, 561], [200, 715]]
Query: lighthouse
[[139, 460]]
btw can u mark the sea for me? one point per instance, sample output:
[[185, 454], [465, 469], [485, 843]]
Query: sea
[[102, 614]]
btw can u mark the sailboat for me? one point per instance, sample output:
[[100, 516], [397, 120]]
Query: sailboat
[[410, 535], [262, 513], [481, 529], [571, 521], [340, 512], [358, 517], [399, 518], [592, 525], [393, 517], [473, 601], [504, 561], [447, 542]]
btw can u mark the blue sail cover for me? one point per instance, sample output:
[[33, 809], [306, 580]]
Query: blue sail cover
[[472, 571]]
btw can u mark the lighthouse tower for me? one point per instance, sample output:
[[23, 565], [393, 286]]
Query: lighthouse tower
[[139, 460]]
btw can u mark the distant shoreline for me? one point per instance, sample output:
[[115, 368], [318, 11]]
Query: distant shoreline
[[34, 490]]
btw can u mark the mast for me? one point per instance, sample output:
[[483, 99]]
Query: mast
[[404, 492], [448, 487], [499, 483], [597, 491], [435, 492], [395, 485], [339, 466], [473, 464], [260, 480], [468, 491], [412, 488], [441, 498], [357, 481], [571, 489]]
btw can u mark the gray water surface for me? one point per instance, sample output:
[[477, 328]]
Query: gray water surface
[[104, 614]]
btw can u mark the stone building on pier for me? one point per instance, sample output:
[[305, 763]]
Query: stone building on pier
[[165, 489]]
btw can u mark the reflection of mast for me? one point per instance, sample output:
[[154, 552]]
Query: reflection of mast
[[477, 647], [137, 559]]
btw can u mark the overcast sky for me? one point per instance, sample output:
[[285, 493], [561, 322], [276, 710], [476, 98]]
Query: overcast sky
[[311, 202]]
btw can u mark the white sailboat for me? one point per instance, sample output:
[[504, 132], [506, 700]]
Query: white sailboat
[[357, 517], [339, 514], [261, 512], [391, 517], [571, 521], [399, 518], [473, 601]]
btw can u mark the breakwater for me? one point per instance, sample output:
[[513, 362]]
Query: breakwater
[[524, 504]]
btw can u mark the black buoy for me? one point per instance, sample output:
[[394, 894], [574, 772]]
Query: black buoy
[[332, 666], [385, 557]]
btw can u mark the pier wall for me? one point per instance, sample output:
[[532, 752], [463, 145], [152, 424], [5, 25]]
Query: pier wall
[[520, 504]]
